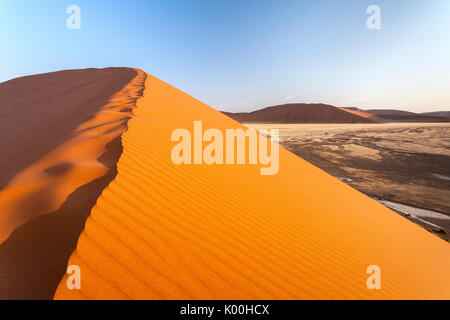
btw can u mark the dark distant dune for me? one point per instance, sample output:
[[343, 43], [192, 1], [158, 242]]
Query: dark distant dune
[[392, 115], [389, 112], [323, 113], [437, 114], [300, 113]]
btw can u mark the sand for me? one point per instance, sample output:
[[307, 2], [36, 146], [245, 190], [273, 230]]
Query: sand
[[301, 113], [399, 116], [162, 231], [59, 144], [358, 112]]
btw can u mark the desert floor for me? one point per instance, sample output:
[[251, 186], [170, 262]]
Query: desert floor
[[407, 163]]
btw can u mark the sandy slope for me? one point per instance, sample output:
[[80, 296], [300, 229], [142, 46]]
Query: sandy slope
[[358, 112], [163, 231], [59, 143]]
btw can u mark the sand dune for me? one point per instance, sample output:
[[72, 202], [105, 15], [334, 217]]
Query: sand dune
[[322, 113], [59, 144], [387, 116], [162, 231], [437, 114], [300, 113], [404, 116], [358, 112]]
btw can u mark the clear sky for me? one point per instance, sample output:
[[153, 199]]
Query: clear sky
[[239, 55]]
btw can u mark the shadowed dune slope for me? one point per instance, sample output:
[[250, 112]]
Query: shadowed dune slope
[[59, 144], [386, 115], [300, 113], [162, 231], [404, 116], [437, 114]]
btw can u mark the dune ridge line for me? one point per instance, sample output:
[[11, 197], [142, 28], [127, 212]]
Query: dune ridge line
[[162, 231], [60, 141]]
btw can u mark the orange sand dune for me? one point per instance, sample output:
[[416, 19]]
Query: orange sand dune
[[162, 231], [358, 112], [59, 141]]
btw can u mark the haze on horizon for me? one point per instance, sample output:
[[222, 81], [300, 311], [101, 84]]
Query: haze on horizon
[[244, 55]]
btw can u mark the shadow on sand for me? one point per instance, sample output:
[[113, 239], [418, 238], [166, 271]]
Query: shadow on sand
[[34, 258]]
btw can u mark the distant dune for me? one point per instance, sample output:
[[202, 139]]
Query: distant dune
[[437, 114], [322, 113], [156, 230], [386, 115], [404, 116], [300, 113]]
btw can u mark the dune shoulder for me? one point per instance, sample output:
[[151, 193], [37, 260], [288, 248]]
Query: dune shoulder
[[59, 141]]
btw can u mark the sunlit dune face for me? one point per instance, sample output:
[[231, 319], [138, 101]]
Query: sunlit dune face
[[358, 113]]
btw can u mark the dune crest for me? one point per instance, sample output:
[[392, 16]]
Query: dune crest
[[59, 141], [166, 231]]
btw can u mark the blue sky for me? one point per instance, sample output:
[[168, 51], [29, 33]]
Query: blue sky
[[246, 54]]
